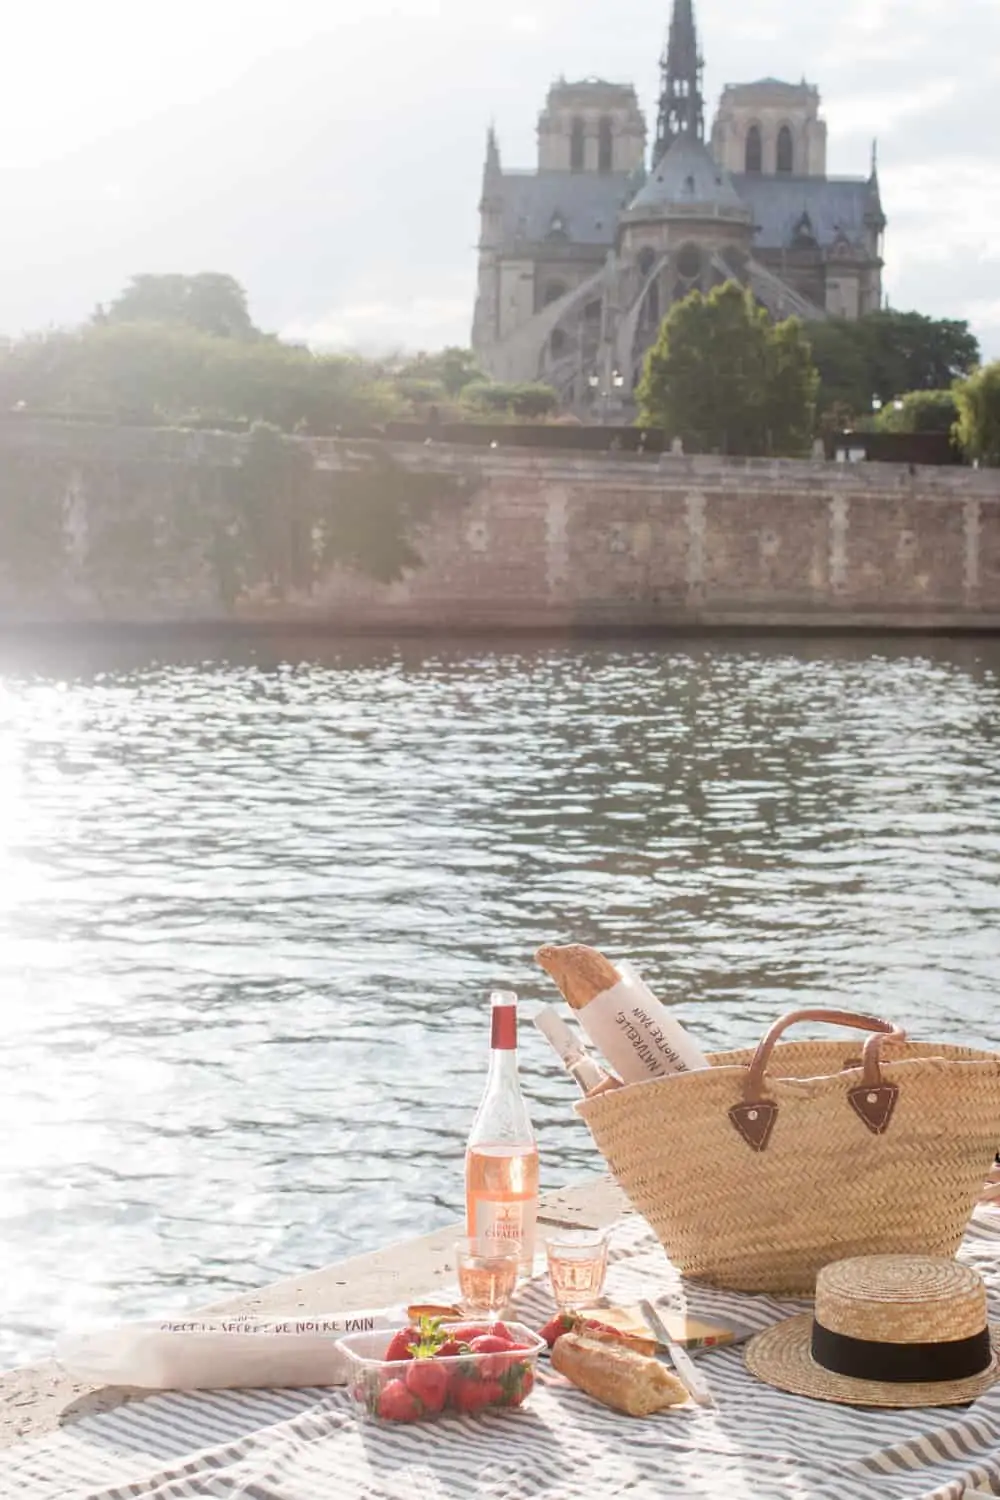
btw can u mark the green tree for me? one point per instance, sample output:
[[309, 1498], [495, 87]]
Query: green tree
[[978, 401], [723, 378], [790, 391], [887, 354], [920, 411], [211, 302], [162, 373], [529, 402], [453, 369]]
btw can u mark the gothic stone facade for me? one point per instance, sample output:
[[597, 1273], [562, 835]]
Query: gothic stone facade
[[580, 259]]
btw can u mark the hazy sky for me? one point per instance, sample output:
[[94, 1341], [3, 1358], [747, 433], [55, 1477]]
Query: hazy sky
[[329, 154]]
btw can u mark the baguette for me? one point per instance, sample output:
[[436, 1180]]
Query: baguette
[[448, 1311], [581, 973], [618, 1377], [621, 1323]]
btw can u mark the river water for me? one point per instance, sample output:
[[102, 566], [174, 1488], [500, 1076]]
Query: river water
[[254, 896]]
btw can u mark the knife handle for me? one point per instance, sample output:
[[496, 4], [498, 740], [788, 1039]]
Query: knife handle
[[697, 1386]]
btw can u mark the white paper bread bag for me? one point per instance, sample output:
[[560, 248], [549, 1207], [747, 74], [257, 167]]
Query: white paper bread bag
[[219, 1354]]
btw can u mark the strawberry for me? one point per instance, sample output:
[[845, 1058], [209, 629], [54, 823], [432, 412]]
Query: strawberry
[[500, 1331], [472, 1396], [428, 1381], [451, 1348], [492, 1393], [399, 1344], [560, 1324], [429, 1340], [499, 1352], [467, 1331], [397, 1404], [593, 1325], [518, 1384]]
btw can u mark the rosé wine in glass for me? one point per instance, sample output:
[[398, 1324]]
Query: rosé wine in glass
[[487, 1275], [578, 1265]]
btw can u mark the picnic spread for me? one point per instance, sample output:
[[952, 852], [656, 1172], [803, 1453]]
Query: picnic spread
[[756, 1442], [802, 1300]]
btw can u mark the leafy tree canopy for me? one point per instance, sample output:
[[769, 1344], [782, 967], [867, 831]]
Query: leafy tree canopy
[[978, 401], [452, 369], [211, 302], [525, 401], [723, 378], [888, 354], [920, 411], [175, 374]]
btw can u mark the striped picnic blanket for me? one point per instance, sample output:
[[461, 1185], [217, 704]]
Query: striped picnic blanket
[[759, 1443]]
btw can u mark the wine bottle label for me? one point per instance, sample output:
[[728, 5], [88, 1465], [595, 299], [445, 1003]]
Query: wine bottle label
[[637, 1035], [510, 1220]]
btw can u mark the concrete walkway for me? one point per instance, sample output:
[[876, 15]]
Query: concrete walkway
[[36, 1399]]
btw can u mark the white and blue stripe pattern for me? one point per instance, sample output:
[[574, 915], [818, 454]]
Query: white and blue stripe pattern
[[759, 1444]]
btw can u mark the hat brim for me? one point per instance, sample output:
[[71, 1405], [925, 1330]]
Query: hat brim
[[782, 1357]]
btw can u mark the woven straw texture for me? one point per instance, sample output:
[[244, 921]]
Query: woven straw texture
[[900, 1299], [825, 1188], [782, 1358]]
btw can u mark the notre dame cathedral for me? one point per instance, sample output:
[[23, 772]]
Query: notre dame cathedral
[[579, 260]]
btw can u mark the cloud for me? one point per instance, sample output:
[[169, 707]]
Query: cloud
[[884, 112], [382, 326]]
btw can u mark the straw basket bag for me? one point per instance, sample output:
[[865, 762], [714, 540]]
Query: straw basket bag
[[756, 1172]]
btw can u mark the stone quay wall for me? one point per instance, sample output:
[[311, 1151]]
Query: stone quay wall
[[131, 525]]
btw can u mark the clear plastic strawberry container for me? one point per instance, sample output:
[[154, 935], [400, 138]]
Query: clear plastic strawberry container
[[431, 1386]]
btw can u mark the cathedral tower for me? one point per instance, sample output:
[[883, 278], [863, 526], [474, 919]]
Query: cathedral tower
[[770, 129], [591, 126], [682, 104]]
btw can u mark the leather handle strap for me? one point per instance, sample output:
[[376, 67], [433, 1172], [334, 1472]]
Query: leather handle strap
[[756, 1080], [873, 1101]]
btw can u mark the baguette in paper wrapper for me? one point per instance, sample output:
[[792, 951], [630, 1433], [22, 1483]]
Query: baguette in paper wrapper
[[621, 1015], [242, 1353]]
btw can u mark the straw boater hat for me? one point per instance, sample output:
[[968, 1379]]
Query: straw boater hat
[[888, 1330]]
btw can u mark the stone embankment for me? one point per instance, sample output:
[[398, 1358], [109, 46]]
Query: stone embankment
[[160, 526]]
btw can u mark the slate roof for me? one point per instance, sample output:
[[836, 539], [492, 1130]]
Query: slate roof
[[588, 203], [778, 203], [687, 173]]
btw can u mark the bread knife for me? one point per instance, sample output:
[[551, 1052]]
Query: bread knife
[[697, 1387]]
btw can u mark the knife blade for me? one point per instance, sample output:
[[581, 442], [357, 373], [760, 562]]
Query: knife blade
[[697, 1387]]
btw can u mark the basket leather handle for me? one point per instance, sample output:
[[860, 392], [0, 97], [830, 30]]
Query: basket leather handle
[[873, 1100]]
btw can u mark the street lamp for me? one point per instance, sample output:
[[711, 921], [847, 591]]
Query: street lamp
[[617, 382]]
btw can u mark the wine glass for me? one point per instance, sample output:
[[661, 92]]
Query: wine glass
[[487, 1274], [578, 1265]]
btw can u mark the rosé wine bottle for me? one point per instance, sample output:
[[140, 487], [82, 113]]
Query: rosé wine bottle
[[501, 1160]]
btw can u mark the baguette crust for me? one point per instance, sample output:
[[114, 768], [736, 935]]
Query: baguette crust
[[617, 1376], [581, 973]]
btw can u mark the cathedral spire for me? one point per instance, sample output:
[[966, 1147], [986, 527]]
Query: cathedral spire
[[491, 167], [682, 107]]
